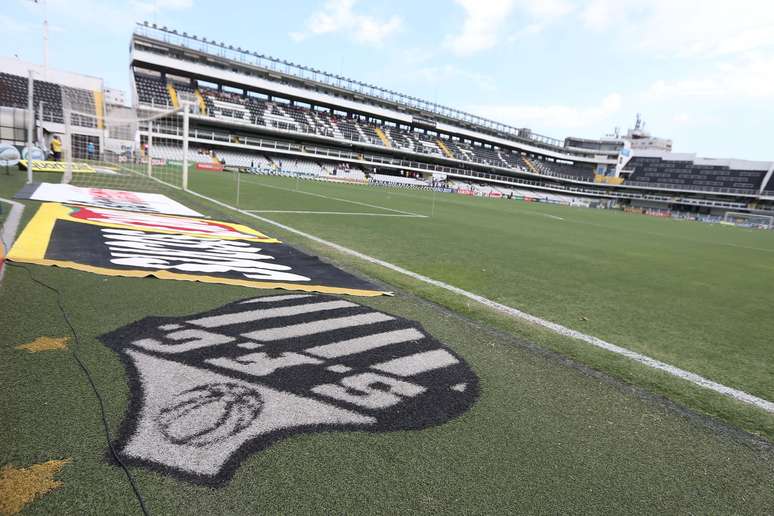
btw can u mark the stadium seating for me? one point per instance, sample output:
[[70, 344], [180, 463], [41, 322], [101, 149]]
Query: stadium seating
[[13, 93], [460, 150], [13, 90], [263, 164], [50, 95], [289, 117], [347, 172], [185, 93], [400, 180], [412, 141], [82, 101], [349, 129], [169, 152], [152, 90], [231, 106], [577, 172], [652, 171], [513, 159], [369, 133], [244, 159], [248, 108]]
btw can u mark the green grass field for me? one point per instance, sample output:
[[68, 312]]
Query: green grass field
[[546, 436], [693, 295]]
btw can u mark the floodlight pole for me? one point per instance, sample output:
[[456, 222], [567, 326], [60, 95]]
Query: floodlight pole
[[31, 124], [45, 39]]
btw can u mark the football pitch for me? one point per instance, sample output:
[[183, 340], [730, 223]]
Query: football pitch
[[558, 426], [693, 295]]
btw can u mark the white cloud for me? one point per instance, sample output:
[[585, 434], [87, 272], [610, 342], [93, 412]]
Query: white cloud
[[552, 117], [529, 30], [712, 29], [483, 20], [445, 73], [684, 28], [682, 119], [747, 78], [94, 15], [155, 6], [12, 25], [339, 16], [601, 14], [547, 9]]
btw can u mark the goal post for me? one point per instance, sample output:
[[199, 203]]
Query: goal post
[[748, 220], [127, 149]]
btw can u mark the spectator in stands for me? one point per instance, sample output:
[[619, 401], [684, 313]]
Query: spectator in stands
[[56, 148], [90, 150]]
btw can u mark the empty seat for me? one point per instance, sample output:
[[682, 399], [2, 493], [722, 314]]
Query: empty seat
[[647, 170]]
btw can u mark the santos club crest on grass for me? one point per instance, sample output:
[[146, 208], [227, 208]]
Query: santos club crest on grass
[[210, 388]]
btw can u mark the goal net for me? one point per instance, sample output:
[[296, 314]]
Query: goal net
[[126, 149], [748, 220]]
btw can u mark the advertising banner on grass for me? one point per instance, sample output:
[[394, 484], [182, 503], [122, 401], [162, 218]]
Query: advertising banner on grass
[[57, 166], [120, 243], [104, 198], [215, 167], [156, 162]]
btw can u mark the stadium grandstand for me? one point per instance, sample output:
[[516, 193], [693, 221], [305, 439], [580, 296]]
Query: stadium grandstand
[[243, 285], [252, 111], [251, 108]]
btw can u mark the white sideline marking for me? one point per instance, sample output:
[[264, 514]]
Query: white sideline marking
[[10, 226], [335, 198], [694, 378], [306, 212], [552, 216]]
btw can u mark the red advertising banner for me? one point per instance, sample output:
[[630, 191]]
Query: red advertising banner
[[215, 167]]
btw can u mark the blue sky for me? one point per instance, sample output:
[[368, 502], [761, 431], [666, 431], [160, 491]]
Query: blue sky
[[701, 73]]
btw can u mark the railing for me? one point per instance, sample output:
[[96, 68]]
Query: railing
[[155, 104]]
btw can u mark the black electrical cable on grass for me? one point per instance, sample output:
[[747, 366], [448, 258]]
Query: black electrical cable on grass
[[86, 372]]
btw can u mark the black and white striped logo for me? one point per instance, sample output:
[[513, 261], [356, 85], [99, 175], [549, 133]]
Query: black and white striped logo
[[210, 388]]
